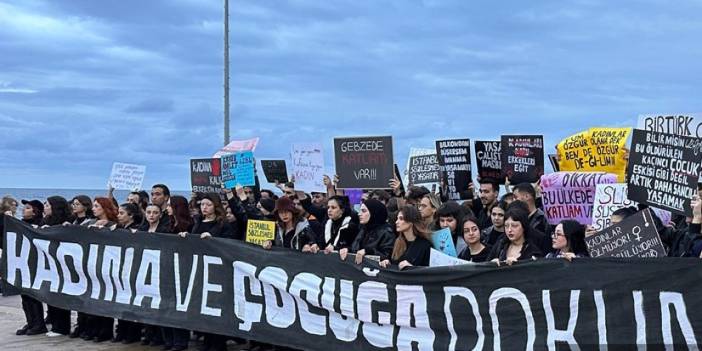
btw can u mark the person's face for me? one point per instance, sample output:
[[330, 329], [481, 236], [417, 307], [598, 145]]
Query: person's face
[[123, 216], [133, 198], [265, 195], [364, 215], [318, 199], [298, 206], [497, 215], [521, 196], [285, 216], [471, 232], [558, 239], [487, 194], [153, 214], [47, 209], [513, 229], [28, 211], [97, 209], [77, 207], [169, 209], [230, 216], [207, 207], [425, 208], [400, 225], [334, 211], [615, 219], [158, 197], [289, 192], [13, 207], [249, 193], [448, 222]]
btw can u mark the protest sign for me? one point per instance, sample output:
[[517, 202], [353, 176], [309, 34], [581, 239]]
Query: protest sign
[[611, 197], [275, 171], [312, 302], [398, 176], [308, 167], [440, 259], [571, 195], [522, 158], [126, 176], [363, 162], [258, 232], [635, 236], [205, 175], [443, 241], [489, 155], [238, 169], [663, 170], [685, 124], [423, 169], [237, 145], [355, 195], [456, 169], [596, 149]]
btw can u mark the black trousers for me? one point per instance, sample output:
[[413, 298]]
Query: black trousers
[[128, 331], [175, 337], [33, 312], [153, 334], [215, 342], [60, 320]]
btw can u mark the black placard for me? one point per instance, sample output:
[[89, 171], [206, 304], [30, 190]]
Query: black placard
[[635, 236], [423, 169], [364, 162], [206, 175], [663, 170], [522, 158], [554, 162], [275, 170], [488, 155], [456, 169]]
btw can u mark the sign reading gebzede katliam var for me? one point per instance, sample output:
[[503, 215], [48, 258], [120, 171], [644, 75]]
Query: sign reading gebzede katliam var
[[318, 302], [364, 162], [664, 170]]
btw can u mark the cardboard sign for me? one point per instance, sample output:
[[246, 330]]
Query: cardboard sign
[[126, 176], [570, 195], [685, 124], [596, 149], [236, 146], [611, 197], [275, 171], [364, 162], [635, 236], [440, 259], [663, 170], [205, 175], [456, 168], [238, 169], [423, 169], [443, 241], [308, 167], [522, 158], [258, 232], [489, 155]]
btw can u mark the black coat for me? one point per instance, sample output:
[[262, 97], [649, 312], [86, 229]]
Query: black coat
[[378, 241], [529, 250]]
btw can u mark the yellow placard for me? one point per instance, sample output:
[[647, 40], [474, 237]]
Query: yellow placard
[[595, 150], [258, 232]]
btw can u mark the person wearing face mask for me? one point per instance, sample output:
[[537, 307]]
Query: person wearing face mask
[[376, 237], [568, 240], [341, 227], [32, 214], [475, 250], [413, 243]]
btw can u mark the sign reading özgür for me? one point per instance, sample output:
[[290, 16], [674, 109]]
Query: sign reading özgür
[[364, 162]]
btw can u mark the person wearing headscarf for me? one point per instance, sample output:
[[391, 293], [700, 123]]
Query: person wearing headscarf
[[376, 236]]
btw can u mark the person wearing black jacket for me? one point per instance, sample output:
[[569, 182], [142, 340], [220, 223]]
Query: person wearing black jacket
[[517, 244], [33, 309], [376, 237], [526, 193], [475, 251], [413, 244], [341, 228]]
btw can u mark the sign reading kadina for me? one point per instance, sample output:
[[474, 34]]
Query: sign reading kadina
[[456, 170], [318, 302], [635, 236], [522, 158], [364, 162], [663, 170], [488, 155], [205, 175]]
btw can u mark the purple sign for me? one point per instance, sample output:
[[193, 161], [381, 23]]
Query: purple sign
[[571, 195], [354, 195]]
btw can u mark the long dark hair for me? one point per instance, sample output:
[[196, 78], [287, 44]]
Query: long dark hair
[[60, 211], [412, 215], [575, 236], [134, 211], [87, 203], [519, 215], [220, 213], [181, 220]]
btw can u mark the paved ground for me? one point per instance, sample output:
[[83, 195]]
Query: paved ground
[[12, 318]]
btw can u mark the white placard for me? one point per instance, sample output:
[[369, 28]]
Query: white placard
[[686, 124], [126, 176], [440, 259], [611, 197], [308, 167]]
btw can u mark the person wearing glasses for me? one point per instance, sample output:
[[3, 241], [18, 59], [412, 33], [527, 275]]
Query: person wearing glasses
[[568, 240], [82, 207]]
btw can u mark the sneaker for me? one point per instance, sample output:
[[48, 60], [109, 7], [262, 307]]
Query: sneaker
[[52, 334]]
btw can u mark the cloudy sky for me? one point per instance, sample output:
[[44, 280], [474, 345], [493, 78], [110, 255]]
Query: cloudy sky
[[84, 83]]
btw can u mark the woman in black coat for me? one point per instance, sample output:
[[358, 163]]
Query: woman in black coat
[[33, 309], [376, 237], [517, 244]]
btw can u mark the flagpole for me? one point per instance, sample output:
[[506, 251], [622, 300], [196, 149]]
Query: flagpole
[[226, 72]]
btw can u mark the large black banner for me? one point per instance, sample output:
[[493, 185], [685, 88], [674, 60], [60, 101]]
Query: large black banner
[[317, 302], [663, 170]]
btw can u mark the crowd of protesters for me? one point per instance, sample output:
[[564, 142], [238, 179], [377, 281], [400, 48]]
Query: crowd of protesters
[[393, 227]]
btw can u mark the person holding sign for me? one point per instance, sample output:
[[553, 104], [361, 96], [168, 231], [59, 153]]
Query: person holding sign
[[450, 215], [341, 228], [292, 230], [376, 236], [568, 240], [413, 243], [518, 245], [475, 251]]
